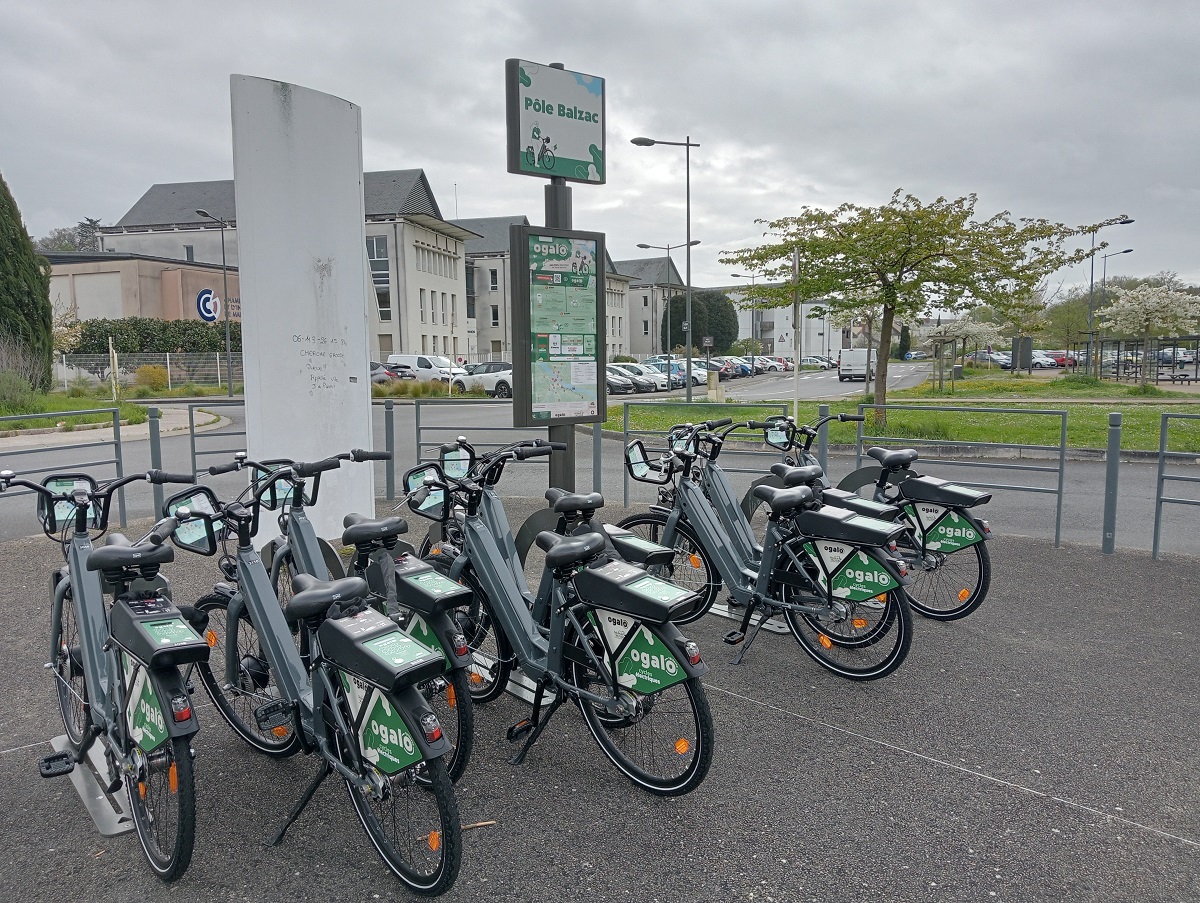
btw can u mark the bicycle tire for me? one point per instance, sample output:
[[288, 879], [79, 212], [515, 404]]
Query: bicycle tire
[[489, 675], [695, 570], [529, 158], [867, 641], [941, 580], [426, 855], [256, 684], [547, 160], [162, 800], [454, 707], [666, 746], [70, 681]]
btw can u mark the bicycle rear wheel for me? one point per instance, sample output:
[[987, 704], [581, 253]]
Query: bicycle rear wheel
[[69, 679], [692, 568], [665, 745], [948, 587], [253, 685], [162, 799], [863, 640], [450, 698]]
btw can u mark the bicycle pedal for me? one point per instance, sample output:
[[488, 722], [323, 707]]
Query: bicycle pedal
[[56, 764], [519, 730], [734, 637], [274, 714]]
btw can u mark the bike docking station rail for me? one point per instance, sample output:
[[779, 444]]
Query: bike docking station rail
[[1057, 451], [1164, 477], [198, 452], [109, 811]]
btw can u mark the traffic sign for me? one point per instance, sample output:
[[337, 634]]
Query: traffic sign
[[707, 341]]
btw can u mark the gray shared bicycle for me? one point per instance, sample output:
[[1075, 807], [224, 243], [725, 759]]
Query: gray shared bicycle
[[346, 693], [597, 632], [116, 665]]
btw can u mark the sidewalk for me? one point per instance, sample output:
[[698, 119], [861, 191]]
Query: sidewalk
[[172, 419]]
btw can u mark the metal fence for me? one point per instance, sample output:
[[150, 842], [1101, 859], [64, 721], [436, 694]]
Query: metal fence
[[201, 443], [1160, 498], [205, 369], [984, 448], [38, 455]]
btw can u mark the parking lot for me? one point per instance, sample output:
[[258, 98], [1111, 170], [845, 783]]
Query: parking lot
[[1042, 749]]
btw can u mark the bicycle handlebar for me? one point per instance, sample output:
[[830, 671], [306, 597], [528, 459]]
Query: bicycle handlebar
[[301, 469], [218, 469], [359, 455], [522, 454], [162, 531], [161, 476]]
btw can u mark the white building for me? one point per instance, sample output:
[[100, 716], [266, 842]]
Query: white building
[[417, 259], [772, 326], [651, 281]]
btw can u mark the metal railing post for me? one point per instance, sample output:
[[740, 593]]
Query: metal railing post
[[597, 456], [1062, 473], [823, 438], [156, 459], [119, 463], [389, 443], [1112, 475], [1163, 426], [192, 435], [624, 469]]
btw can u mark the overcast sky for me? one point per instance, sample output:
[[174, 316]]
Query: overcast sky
[[1073, 111]]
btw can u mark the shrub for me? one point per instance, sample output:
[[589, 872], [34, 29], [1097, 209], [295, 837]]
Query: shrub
[[16, 393], [80, 387], [624, 359], [151, 376]]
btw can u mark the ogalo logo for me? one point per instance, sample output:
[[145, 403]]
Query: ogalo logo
[[392, 737], [208, 305]]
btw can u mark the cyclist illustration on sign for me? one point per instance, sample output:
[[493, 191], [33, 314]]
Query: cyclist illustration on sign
[[545, 152]]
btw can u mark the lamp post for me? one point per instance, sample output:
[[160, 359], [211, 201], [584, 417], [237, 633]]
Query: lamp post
[[755, 341], [1091, 297], [668, 248], [1104, 279], [225, 297], [687, 144]]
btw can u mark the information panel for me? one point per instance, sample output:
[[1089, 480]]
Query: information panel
[[558, 304], [555, 122]]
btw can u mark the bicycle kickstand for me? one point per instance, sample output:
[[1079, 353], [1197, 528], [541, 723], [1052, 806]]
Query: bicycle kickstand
[[322, 773], [763, 616], [535, 724]]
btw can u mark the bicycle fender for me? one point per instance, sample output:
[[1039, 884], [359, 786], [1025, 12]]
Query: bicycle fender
[[542, 519], [411, 705], [668, 533], [671, 637], [168, 684], [445, 630], [457, 568]]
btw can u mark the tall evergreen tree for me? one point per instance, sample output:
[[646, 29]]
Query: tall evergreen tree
[[25, 311]]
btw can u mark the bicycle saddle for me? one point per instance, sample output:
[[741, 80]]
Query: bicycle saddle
[[118, 552], [564, 551], [783, 500], [892, 459], [360, 529], [313, 596], [564, 502], [797, 476]]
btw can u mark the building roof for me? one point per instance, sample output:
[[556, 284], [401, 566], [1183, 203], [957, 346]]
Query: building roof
[[492, 231], [385, 194], [650, 271], [62, 258]]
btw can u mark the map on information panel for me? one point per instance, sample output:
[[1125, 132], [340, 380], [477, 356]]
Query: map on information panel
[[562, 326]]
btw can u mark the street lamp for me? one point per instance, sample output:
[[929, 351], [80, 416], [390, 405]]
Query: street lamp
[[1104, 275], [1091, 294], [755, 341], [225, 299], [668, 248], [687, 144]]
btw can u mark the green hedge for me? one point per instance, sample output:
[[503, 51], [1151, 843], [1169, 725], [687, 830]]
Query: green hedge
[[134, 335]]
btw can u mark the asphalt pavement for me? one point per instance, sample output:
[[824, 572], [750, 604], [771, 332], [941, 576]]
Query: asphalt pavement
[[1044, 748]]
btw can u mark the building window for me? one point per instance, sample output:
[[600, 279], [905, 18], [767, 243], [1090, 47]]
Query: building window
[[495, 314], [189, 252], [424, 350], [385, 344], [495, 346], [620, 325], [453, 309], [645, 327], [435, 344], [495, 279], [645, 300], [422, 305], [383, 298], [443, 308], [377, 255]]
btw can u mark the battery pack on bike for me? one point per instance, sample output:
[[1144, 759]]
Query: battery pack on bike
[[371, 646], [421, 587], [622, 587], [152, 630]]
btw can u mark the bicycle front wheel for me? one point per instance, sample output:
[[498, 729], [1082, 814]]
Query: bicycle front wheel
[[69, 679], [488, 675], [414, 826], [162, 799], [692, 568], [253, 683], [664, 745], [857, 640], [948, 587]]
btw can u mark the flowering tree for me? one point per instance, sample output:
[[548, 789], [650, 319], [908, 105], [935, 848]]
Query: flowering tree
[[1147, 311]]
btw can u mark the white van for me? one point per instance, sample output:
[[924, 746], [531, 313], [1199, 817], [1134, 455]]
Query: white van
[[852, 363], [426, 366]]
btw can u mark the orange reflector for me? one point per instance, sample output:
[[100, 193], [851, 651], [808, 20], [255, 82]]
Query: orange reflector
[[882, 597], [173, 778], [142, 789], [435, 551], [451, 699], [682, 746], [694, 560], [434, 840], [859, 623], [825, 641], [210, 637], [964, 595], [279, 731], [476, 677]]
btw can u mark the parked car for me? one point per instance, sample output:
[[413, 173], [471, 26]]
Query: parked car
[[915, 356], [856, 363], [723, 369], [618, 384], [768, 364], [640, 383], [995, 358], [677, 380], [818, 362], [427, 367], [493, 377], [645, 371], [381, 373], [1176, 355], [740, 367], [785, 363], [1043, 361], [1062, 358]]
